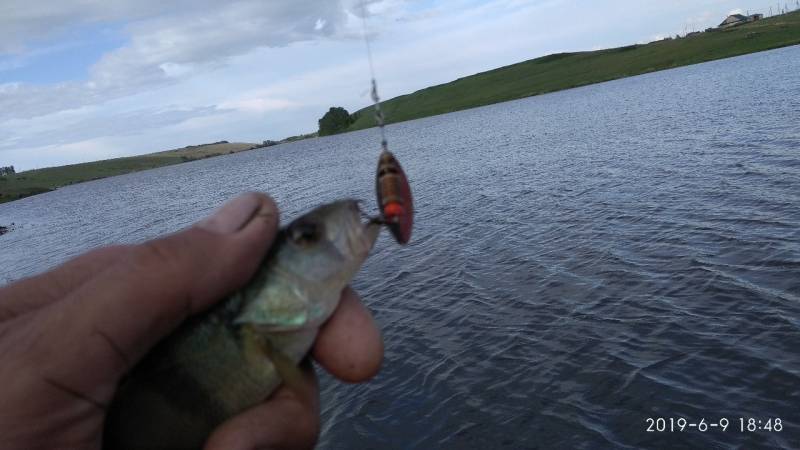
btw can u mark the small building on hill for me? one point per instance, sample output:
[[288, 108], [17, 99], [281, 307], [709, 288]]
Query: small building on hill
[[733, 20], [738, 19]]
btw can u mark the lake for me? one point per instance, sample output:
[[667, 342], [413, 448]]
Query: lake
[[583, 261]]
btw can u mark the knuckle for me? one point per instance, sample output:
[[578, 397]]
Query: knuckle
[[151, 255]]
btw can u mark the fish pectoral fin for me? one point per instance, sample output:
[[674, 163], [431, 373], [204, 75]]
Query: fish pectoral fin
[[291, 375]]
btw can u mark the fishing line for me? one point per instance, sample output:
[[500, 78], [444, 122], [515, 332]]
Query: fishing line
[[379, 118]]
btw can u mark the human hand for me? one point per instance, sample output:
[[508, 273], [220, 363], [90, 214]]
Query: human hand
[[68, 336]]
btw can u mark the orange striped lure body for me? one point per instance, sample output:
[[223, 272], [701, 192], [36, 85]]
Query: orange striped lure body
[[394, 197]]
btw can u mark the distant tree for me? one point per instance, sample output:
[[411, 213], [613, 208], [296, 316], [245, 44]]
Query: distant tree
[[9, 170], [336, 120]]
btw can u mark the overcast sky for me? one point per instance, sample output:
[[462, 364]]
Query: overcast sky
[[82, 80]]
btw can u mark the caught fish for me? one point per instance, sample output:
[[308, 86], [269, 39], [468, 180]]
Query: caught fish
[[232, 357]]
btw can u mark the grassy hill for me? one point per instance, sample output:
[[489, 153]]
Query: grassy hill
[[32, 182], [568, 70]]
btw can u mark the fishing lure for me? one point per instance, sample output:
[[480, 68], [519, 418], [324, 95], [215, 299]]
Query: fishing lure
[[394, 197]]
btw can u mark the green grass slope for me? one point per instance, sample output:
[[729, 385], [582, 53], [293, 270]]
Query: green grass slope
[[32, 182], [568, 70]]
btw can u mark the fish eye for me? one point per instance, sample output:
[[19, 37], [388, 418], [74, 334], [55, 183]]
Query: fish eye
[[305, 232]]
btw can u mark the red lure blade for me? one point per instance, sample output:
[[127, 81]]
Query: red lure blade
[[394, 197]]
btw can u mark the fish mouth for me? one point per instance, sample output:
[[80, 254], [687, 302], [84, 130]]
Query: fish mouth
[[369, 235], [362, 235]]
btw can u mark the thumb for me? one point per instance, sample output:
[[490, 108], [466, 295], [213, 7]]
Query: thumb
[[111, 321]]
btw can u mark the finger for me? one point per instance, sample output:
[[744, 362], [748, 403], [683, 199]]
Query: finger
[[34, 292], [285, 420], [349, 345], [112, 320]]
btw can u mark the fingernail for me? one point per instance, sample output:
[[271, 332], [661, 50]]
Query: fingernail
[[233, 215]]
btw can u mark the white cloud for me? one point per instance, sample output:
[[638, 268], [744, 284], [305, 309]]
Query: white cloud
[[64, 127], [209, 37], [257, 104], [24, 23], [162, 49], [174, 70]]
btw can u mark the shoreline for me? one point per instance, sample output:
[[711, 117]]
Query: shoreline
[[17, 186], [38, 181]]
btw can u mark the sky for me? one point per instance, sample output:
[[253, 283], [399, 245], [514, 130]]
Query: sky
[[83, 80]]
